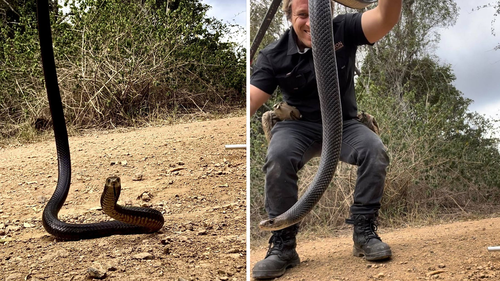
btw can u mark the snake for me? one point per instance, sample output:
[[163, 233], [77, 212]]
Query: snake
[[128, 220], [322, 38]]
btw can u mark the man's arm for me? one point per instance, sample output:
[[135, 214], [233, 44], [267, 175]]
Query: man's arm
[[376, 23], [257, 99]]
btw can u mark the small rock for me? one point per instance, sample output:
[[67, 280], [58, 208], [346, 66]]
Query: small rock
[[111, 266], [202, 232], [28, 225], [441, 265], [232, 251], [12, 228], [143, 256], [183, 239], [435, 272], [145, 196], [41, 199], [48, 257], [14, 277], [96, 271], [62, 253], [137, 177], [380, 275], [123, 163], [166, 240], [176, 169]]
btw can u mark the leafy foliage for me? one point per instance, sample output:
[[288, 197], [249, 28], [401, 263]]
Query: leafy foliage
[[121, 62]]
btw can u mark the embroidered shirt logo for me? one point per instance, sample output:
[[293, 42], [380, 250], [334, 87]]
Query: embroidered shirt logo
[[339, 46]]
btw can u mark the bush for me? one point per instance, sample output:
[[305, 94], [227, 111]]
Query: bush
[[122, 63]]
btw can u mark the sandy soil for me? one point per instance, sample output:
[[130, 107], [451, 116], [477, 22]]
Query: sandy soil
[[187, 174], [454, 251]]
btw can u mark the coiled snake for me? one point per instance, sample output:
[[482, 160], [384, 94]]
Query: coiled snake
[[331, 111], [135, 220]]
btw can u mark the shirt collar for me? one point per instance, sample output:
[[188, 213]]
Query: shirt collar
[[293, 48]]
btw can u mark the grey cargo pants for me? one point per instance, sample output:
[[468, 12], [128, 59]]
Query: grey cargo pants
[[294, 143]]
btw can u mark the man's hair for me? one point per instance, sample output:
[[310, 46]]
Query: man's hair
[[287, 8]]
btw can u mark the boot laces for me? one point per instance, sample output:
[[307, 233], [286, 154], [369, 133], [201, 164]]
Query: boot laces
[[368, 227], [369, 230], [275, 245]]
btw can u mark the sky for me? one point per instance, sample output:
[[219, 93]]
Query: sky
[[469, 47], [230, 11]]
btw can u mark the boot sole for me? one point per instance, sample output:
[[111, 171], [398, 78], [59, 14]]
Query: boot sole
[[261, 275], [382, 255]]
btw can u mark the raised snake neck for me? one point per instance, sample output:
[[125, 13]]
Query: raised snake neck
[[50, 220]]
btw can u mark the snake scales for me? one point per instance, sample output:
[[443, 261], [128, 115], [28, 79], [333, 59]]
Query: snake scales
[[135, 220], [322, 37]]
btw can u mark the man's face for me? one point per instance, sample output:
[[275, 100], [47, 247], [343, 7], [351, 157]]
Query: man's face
[[300, 23]]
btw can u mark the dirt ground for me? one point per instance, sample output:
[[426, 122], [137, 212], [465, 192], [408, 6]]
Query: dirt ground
[[183, 170], [454, 251]]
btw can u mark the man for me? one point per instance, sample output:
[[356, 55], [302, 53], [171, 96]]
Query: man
[[288, 63]]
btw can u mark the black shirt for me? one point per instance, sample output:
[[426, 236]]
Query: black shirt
[[280, 64]]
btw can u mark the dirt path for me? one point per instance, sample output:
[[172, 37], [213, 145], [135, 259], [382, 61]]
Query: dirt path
[[186, 173], [455, 251]]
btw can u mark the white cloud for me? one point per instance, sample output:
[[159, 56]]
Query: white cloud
[[468, 47]]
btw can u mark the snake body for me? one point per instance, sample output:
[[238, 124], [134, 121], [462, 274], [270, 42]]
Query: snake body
[[325, 65], [134, 218]]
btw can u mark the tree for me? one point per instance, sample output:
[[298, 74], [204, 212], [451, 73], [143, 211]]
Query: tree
[[496, 7], [120, 62], [440, 151], [415, 34]]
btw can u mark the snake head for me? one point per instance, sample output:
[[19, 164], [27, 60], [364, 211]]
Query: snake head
[[113, 182], [267, 224]]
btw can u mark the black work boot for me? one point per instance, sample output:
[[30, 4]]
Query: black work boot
[[280, 255], [366, 241]]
